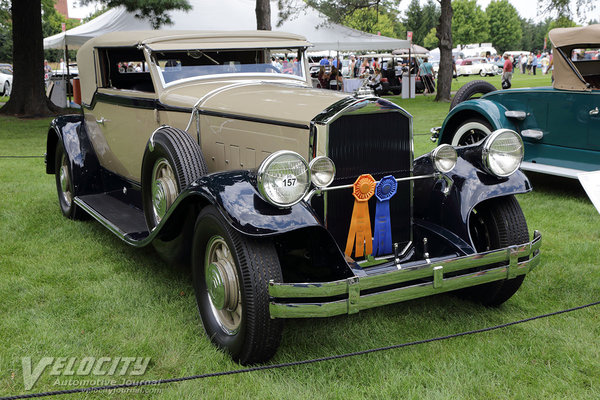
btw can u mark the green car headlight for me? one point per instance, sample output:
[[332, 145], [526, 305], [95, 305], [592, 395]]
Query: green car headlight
[[283, 178], [502, 152]]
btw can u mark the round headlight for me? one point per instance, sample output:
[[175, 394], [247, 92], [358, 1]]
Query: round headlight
[[503, 152], [322, 171], [444, 158], [283, 178]]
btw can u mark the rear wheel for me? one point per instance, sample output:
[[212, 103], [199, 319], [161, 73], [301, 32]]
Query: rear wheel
[[65, 186], [471, 90], [6, 89], [231, 274], [495, 224]]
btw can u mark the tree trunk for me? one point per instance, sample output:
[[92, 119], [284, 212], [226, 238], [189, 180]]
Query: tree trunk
[[263, 15], [444, 35], [27, 98]]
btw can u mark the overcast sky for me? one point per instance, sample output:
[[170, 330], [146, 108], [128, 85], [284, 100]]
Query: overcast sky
[[525, 8]]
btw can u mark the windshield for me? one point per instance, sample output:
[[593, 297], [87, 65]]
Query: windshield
[[191, 64]]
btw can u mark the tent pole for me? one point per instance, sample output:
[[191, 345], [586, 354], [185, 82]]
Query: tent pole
[[409, 68], [68, 80]]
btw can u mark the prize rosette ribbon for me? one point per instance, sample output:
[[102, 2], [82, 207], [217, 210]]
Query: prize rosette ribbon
[[382, 237], [360, 224]]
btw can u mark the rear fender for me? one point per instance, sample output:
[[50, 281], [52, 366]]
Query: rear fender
[[85, 168]]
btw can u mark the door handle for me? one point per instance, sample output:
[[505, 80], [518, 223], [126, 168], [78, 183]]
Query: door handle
[[594, 111], [102, 120]]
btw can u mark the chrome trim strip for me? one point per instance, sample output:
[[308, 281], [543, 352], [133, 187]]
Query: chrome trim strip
[[317, 191]]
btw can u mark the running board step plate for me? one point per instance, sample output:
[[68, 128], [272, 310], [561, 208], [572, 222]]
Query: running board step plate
[[124, 220]]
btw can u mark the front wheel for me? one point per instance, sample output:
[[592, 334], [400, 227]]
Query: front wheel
[[482, 73], [495, 224], [471, 131], [231, 274]]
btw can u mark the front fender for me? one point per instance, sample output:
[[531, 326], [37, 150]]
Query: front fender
[[490, 110], [449, 199], [235, 195]]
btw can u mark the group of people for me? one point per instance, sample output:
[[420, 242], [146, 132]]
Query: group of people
[[527, 64]]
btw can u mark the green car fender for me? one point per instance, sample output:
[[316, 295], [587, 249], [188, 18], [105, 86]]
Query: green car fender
[[489, 110]]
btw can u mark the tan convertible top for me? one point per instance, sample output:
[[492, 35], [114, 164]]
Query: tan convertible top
[[566, 75], [561, 37], [178, 40], [200, 39]]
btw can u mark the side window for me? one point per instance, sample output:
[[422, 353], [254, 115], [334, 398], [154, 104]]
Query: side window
[[124, 68], [587, 62]]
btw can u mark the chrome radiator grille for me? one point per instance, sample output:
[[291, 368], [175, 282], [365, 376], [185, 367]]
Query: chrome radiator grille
[[378, 144]]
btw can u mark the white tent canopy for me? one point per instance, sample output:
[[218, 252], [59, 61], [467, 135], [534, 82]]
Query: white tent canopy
[[234, 15]]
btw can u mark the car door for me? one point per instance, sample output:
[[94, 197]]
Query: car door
[[124, 113]]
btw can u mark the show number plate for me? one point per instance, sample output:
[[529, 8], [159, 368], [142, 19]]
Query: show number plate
[[591, 183], [288, 181]]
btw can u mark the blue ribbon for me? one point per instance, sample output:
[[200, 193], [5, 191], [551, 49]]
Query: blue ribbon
[[382, 236]]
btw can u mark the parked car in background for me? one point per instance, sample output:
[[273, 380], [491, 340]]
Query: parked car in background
[[476, 66], [6, 79], [559, 125], [266, 186]]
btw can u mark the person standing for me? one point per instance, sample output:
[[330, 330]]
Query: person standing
[[426, 72], [507, 71], [352, 66]]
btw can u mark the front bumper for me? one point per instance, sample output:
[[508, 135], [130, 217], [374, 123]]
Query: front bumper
[[293, 300]]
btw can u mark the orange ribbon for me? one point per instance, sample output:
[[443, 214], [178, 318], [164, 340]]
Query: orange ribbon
[[360, 224]]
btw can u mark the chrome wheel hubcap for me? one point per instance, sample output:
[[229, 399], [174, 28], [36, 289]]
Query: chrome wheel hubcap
[[65, 182], [222, 285], [164, 189]]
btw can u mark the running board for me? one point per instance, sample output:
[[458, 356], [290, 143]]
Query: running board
[[122, 219], [551, 170]]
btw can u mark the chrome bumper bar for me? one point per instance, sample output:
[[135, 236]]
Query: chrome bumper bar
[[433, 273]]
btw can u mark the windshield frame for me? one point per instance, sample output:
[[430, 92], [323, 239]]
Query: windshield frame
[[298, 51]]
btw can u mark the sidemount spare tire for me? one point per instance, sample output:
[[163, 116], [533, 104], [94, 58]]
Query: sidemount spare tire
[[471, 90], [172, 161]]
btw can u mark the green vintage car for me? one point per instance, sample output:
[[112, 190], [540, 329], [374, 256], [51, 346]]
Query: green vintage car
[[560, 125]]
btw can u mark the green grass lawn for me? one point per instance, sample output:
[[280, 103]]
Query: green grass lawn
[[72, 289]]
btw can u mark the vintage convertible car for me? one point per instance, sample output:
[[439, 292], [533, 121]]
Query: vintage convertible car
[[287, 201], [559, 125]]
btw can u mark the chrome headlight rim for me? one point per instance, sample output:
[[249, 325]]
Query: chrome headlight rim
[[487, 148], [436, 157], [311, 166], [262, 169]]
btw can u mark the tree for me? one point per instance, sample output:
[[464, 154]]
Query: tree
[[533, 35], [564, 8], [469, 22], [444, 35], [368, 20], [412, 20], [431, 41], [263, 15], [430, 14], [28, 98], [504, 25], [335, 11]]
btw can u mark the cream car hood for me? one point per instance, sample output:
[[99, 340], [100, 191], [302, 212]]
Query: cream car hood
[[283, 102]]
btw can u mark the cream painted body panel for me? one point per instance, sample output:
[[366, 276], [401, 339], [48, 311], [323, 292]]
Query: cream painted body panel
[[121, 140]]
